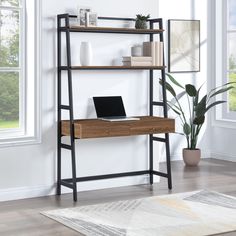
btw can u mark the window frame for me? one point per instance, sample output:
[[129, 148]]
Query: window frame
[[29, 131], [218, 60]]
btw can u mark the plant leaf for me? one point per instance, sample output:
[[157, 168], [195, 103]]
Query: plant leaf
[[186, 129], [221, 86], [197, 95], [173, 105], [191, 90], [168, 87], [221, 91], [199, 120], [173, 109], [174, 81], [178, 96], [200, 108], [214, 104]]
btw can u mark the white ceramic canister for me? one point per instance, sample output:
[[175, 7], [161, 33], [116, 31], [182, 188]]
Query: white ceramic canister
[[86, 54], [137, 51]]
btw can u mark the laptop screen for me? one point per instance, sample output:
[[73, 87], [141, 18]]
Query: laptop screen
[[109, 106]]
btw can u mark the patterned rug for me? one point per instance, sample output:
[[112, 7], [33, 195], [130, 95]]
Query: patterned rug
[[186, 214]]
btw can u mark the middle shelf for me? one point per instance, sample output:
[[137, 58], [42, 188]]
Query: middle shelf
[[96, 128], [112, 67]]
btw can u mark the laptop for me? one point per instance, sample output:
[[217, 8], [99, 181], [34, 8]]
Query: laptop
[[111, 109]]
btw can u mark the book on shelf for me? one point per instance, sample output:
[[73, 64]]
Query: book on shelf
[[138, 59], [137, 63], [154, 50]]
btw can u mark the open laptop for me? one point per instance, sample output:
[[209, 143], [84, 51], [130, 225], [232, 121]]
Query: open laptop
[[111, 108]]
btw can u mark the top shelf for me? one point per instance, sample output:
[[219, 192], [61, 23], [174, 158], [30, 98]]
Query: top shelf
[[111, 30], [74, 28]]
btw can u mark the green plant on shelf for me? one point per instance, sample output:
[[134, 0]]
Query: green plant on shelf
[[141, 21]]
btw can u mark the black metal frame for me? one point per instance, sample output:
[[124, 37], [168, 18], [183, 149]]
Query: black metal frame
[[71, 182]]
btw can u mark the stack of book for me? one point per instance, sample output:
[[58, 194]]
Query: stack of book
[[155, 51], [138, 61], [152, 55]]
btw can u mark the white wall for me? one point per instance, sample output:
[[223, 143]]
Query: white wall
[[27, 171], [223, 133], [186, 9]]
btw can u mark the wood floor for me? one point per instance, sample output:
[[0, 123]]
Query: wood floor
[[23, 218]]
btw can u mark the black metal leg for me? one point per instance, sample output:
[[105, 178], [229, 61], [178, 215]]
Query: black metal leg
[[59, 170], [59, 110], [151, 158], [168, 163], [73, 162], [167, 141], [151, 114]]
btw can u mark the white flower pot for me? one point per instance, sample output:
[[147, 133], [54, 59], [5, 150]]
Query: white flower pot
[[86, 54], [191, 157]]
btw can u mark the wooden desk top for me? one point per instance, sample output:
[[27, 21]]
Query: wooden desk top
[[95, 128]]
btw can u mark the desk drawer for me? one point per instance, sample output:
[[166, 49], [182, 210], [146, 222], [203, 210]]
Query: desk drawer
[[154, 128], [105, 131]]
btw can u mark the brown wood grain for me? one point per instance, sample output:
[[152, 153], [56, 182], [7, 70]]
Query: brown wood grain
[[95, 128], [112, 29]]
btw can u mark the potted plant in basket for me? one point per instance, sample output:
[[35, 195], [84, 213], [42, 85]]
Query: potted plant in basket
[[192, 118], [141, 21]]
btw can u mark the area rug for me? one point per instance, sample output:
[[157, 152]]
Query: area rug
[[186, 214]]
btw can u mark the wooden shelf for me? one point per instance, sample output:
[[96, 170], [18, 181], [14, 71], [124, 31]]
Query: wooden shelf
[[111, 30], [112, 67], [95, 128]]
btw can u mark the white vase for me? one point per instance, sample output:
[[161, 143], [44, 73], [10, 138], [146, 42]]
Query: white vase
[[86, 54]]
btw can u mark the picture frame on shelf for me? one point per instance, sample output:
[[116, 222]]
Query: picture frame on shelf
[[81, 14], [91, 19], [183, 46]]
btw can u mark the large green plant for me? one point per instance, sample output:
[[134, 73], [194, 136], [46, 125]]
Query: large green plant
[[192, 118]]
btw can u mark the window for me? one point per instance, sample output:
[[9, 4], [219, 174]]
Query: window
[[231, 51], [225, 48], [10, 65], [18, 71]]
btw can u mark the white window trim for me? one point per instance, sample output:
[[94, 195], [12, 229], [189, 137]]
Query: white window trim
[[217, 58], [34, 137]]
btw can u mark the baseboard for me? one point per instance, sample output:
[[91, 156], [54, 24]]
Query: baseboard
[[25, 192], [223, 156], [40, 191]]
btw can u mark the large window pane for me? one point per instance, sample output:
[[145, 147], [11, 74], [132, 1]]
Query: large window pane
[[9, 2], [231, 45], [9, 38], [231, 51], [9, 100], [232, 93], [232, 14]]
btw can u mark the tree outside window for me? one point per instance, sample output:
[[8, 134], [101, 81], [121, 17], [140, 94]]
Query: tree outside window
[[231, 38], [10, 66]]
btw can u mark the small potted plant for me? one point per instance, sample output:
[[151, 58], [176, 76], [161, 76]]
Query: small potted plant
[[193, 117], [141, 21]]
